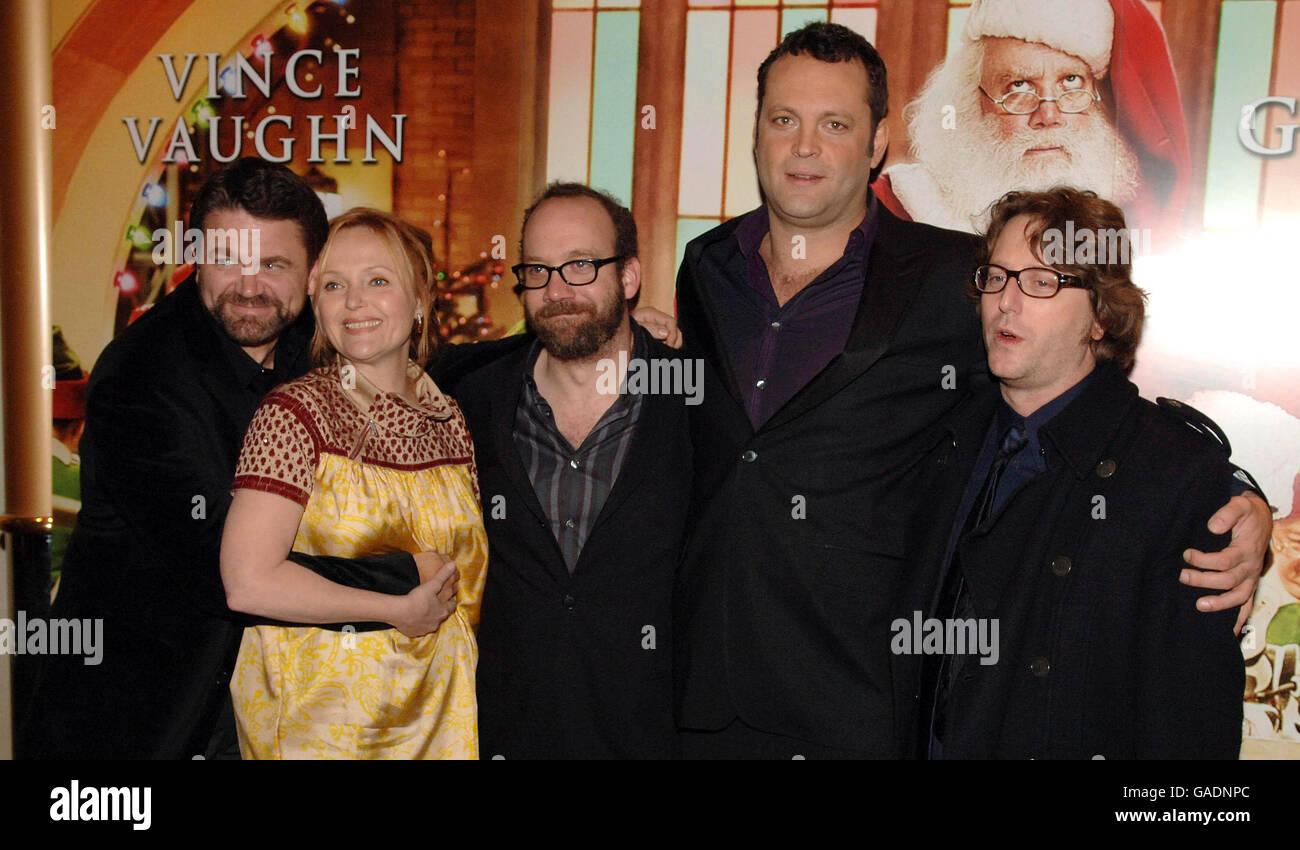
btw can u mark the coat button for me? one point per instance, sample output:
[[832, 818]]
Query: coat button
[[1040, 667], [1106, 468], [568, 602], [1061, 565], [749, 456]]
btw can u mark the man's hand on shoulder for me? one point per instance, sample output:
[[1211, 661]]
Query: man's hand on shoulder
[[661, 326], [1237, 568]]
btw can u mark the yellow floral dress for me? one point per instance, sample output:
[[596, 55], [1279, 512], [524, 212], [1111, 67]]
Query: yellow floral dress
[[374, 474]]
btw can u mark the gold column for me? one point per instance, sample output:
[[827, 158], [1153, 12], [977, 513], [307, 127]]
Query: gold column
[[511, 85], [656, 160], [912, 38], [1192, 30], [25, 354]]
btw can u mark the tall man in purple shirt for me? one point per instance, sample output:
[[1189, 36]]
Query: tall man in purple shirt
[[836, 338]]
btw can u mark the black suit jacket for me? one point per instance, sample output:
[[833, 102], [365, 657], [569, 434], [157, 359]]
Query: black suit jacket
[[165, 422], [1102, 651], [577, 665], [783, 614]]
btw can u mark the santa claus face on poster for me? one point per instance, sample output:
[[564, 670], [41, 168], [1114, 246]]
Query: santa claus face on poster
[[1030, 97], [1045, 147]]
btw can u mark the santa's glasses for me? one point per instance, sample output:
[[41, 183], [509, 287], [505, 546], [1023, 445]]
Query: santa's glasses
[[1025, 102]]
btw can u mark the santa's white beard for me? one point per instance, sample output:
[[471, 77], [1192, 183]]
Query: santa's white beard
[[974, 169]]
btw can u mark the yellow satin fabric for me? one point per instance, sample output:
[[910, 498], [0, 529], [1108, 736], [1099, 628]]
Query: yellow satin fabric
[[314, 693]]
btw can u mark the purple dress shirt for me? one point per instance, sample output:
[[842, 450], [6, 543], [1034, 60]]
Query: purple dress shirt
[[777, 350]]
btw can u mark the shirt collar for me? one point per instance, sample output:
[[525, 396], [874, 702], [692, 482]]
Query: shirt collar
[[1035, 421], [64, 454], [755, 227], [391, 413]]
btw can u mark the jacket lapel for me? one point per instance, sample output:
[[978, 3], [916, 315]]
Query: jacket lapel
[[216, 375], [698, 307], [503, 403], [889, 290], [655, 420], [1082, 434]]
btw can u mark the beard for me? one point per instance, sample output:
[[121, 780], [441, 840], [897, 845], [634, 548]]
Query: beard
[[577, 339], [251, 330], [1097, 157]]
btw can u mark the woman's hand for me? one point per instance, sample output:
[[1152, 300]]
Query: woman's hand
[[430, 564], [422, 610]]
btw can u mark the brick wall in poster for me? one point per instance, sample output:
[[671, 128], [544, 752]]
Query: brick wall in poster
[[435, 89]]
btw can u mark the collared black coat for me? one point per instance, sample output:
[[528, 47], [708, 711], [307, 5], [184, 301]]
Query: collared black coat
[[577, 665], [165, 421], [795, 543], [1102, 651]]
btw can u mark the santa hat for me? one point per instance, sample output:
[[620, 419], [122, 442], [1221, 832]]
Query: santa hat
[[1082, 28], [1123, 40], [69, 380]]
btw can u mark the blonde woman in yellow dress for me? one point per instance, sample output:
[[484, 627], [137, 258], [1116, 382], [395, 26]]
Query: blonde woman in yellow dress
[[361, 455]]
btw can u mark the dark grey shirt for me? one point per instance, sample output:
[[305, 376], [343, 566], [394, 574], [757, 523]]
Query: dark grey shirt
[[572, 484]]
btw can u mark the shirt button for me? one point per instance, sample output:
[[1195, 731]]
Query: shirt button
[[749, 456], [568, 523], [568, 602], [760, 383], [776, 326], [1040, 667], [1061, 566], [573, 462]]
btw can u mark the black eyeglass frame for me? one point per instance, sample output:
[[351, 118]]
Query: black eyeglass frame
[[1063, 280], [1095, 97], [518, 269]]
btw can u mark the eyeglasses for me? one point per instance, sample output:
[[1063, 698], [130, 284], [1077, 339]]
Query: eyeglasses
[[574, 272], [1025, 102], [1034, 282]]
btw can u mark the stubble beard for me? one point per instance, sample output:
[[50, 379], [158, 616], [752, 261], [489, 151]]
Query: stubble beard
[[249, 331], [1099, 159], [579, 340]]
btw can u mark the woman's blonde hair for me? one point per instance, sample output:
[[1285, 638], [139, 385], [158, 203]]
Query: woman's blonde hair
[[412, 250]]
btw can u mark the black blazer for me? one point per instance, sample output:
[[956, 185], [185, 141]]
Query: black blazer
[[165, 421], [577, 666], [1102, 651], [782, 616]]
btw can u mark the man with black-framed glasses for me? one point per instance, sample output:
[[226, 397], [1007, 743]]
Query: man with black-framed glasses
[[836, 341], [1060, 506], [585, 480]]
